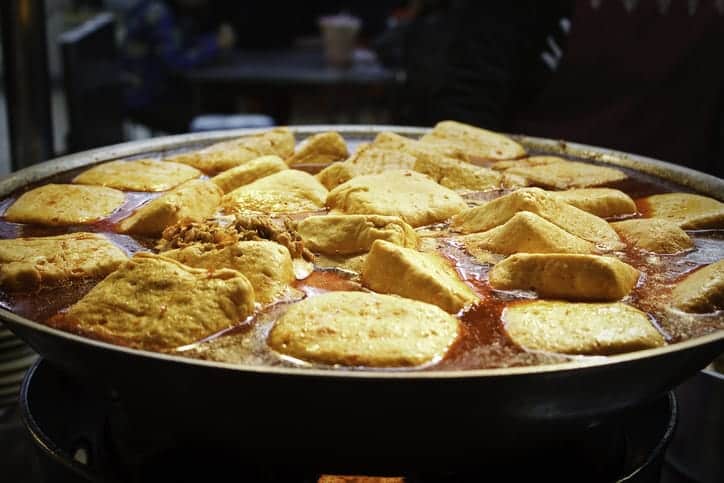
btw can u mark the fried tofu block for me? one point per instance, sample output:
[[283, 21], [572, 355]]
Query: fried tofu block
[[702, 291], [412, 196], [65, 204], [395, 142], [390, 140], [690, 212], [138, 175], [335, 174], [656, 235], [228, 154], [479, 144], [455, 174], [367, 160], [535, 200], [350, 263], [287, 191], [529, 233], [153, 302], [321, 148], [447, 167], [526, 162], [580, 328], [193, 200], [364, 329], [353, 234], [603, 202], [513, 181], [249, 172], [590, 278], [27, 263], [266, 264], [570, 174], [427, 277]]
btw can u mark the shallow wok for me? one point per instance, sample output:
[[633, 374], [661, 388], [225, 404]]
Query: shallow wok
[[162, 399]]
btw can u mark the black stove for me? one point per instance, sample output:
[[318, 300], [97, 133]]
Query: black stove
[[80, 435]]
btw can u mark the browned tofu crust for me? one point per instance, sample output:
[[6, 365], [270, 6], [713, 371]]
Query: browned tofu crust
[[138, 175], [656, 235], [65, 204], [321, 148], [364, 329], [154, 302], [702, 291], [193, 200], [580, 328], [412, 196], [565, 276], [29, 263], [228, 154]]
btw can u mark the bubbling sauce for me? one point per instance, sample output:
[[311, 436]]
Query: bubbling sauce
[[483, 342]]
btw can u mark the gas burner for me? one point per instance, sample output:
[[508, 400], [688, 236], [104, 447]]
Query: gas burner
[[80, 435]]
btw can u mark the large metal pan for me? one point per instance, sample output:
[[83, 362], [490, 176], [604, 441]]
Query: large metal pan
[[387, 413]]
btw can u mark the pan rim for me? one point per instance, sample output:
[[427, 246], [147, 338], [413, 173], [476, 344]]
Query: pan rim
[[698, 181], [394, 373]]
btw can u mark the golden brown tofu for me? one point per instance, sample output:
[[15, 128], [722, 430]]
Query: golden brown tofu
[[580, 328], [603, 202], [427, 277], [193, 200], [266, 264], [27, 263], [690, 212], [364, 329], [353, 234], [228, 154], [412, 196], [249, 172], [395, 142], [360, 479], [513, 181], [335, 174], [479, 144], [138, 175], [153, 302], [321, 148], [367, 160], [455, 174], [702, 291], [570, 174], [529, 233], [288, 191], [349, 263], [65, 204], [527, 162], [590, 278], [535, 200], [449, 168], [370, 159], [654, 234]]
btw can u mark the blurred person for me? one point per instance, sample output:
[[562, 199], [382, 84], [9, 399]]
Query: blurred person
[[475, 62], [645, 77], [642, 76], [161, 40]]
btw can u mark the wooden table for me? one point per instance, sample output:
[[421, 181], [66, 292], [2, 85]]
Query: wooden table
[[297, 85]]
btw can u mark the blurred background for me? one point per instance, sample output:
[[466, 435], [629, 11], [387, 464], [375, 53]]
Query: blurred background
[[643, 76]]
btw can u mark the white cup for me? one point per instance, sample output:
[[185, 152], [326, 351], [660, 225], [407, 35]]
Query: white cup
[[339, 35]]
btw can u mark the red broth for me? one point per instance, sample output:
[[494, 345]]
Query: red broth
[[483, 342]]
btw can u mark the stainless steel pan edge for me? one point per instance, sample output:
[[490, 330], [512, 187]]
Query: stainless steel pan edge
[[703, 183]]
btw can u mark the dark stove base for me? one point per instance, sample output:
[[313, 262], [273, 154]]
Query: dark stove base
[[80, 437]]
